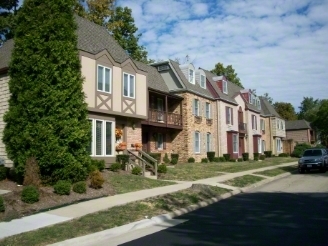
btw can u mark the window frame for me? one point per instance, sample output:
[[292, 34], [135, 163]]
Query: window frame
[[254, 122], [225, 87], [197, 140], [103, 138], [235, 145], [160, 136], [196, 109], [229, 115], [278, 145], [129, 85], [208, 142], [200, 81], [208, 110], [104, 78], [191, 77]]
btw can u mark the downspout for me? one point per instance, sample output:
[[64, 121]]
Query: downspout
[[218, 127], [271, 139]]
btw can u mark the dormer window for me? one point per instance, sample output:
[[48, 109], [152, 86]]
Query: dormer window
[[202, 81], [191, 76], [225, 86]]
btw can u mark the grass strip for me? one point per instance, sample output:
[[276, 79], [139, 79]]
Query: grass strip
[[277, 171], [243, 181], [115, 216]]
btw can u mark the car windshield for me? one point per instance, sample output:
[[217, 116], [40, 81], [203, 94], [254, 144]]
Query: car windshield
[[312, 152]]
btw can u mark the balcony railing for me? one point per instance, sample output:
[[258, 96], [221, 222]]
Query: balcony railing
[[242, 127], [159, 116], [209, 122]]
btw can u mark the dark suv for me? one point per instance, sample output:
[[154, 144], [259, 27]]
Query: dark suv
[[313, 159]]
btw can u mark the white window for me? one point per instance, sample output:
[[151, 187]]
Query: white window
[[104, 79], [160, 141], [202, 81], [196, 107], [281, 125], [102, 138], [279, 146], [259, 144], [128, 85], [208, 110], [254, 123], [225, 87], [235, 143], [278, 124], [208, 142], [197, 142], [263, 145], [262, 125], [191, 76], [229, 117]]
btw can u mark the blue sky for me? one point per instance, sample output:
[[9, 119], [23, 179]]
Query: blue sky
[[276, 46]]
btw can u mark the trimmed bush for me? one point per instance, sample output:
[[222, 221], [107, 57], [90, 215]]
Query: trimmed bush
[[283, 155], [299, 149], [30, 194], [137, 170], [166, 159], [216, 159], [222, 159], [176, 156], [123, 159], [32, 173], [191, 160], [210, 155], [232, 160], [80, 187], [2, 205], [204, 160], [245, 156], [256, 156], [240, 159], [100, 164], [96, 180], [115, 167], [226, 157], [62, 187], [3, 173], [174, 161], [262, 157], [162, 168], [268, 153]]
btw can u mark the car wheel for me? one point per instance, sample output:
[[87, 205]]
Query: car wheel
[[301, 170]]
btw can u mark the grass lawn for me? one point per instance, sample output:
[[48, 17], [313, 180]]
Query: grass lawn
[[243, 181], [277, 171], [196, 171], [123, 183], [114, 217]]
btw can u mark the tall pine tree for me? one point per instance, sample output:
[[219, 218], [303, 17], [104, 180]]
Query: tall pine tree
[[47, 116]]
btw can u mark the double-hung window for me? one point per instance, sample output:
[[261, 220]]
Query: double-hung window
[[128, 85], [104, 79], [279, 145], [229, 116], [208, 110], [202, 81], [102, 138], [208, 142], [191, 76], [254, 122], [160, 141], [197, 142], [225, 87], [196, 107], [235, 143]]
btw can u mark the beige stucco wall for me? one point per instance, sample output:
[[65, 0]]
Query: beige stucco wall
[[141, 94], [117, 89], [278, 132], [4, 97], [88, 69]]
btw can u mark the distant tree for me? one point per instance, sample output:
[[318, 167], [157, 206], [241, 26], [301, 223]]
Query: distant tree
[[47, 115], [321, 122], [285, 110], [309, 109], [268, 98], [228, 72], [8, 12]]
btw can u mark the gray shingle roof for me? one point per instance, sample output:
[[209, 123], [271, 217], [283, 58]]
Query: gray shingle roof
[[196, 88], [267, 108], [92, 38], [297, 125], [155, 80]]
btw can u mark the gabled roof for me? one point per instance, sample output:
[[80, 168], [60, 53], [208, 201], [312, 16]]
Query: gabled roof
[[267, 109], [297, 125], [92, 38], [155, 80]]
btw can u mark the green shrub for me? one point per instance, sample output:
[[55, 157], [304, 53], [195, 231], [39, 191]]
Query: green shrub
[[262, 157], [62, 187], [222, 159], [256, 156], [283, 155], [137, 170], [240, 159], [268, 153], [226, 157], [210, 155], [216, 159], [100, 164], [232, 160], [176, 156], [299, 149], [245, 156], [30, 194], [3, 173], [96, 180], [191, 160], [115, 167], [2, 205], [162, 168], [204, 160], [80, 187], [123, 159], [320, 146], [166, 158], [174, 161]]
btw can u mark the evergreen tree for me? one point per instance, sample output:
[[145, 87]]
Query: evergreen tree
[[8, 11], [47, 116]]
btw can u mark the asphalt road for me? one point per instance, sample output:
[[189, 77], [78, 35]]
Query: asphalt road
[[289, 211]]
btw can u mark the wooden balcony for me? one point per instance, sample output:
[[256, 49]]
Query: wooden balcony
[[164, 119], [242, 128]]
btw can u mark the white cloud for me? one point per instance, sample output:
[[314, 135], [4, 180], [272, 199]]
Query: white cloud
[[275, 46]]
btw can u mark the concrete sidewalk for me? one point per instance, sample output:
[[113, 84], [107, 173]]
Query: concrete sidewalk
[[73, 211]]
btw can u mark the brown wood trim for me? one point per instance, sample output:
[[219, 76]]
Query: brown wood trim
[[136, 116]]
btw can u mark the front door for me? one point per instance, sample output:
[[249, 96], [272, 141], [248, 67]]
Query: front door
[[241, 146], [160, 110], [145, 138]]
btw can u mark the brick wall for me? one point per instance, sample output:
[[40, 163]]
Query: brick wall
[[4, 97], [299, 136]]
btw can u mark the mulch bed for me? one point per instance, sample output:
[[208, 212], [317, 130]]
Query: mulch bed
[[15, 208]]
